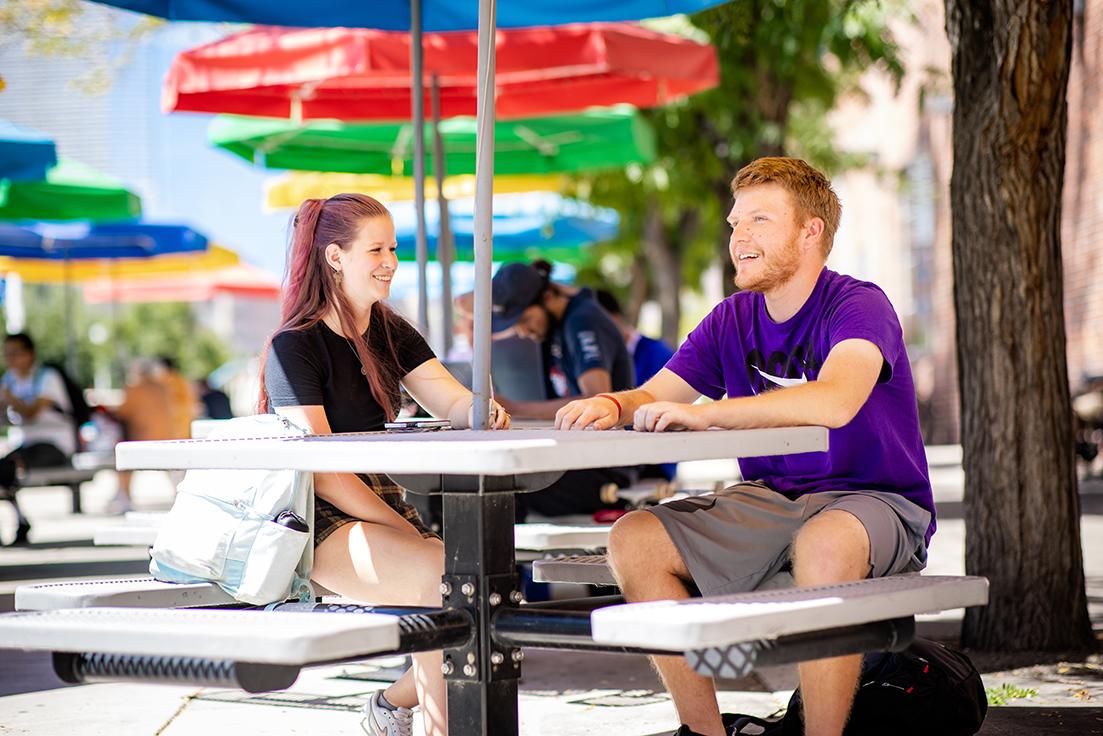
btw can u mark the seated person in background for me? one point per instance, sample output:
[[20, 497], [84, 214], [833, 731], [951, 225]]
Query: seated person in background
[[336, 364], [586, 350], [649, 356], [146, 414], [36, 402], [182, 397], [215, 402], [799, 345]]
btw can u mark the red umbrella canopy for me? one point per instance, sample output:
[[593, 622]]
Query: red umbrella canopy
[[239, 280], [364, 74]]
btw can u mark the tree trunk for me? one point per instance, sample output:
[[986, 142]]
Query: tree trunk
[[638, 290], [1010, 67], [666, 270]]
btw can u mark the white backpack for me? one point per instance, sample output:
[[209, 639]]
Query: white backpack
[[223, 524]]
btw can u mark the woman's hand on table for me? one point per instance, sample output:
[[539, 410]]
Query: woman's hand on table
[[499, 417]]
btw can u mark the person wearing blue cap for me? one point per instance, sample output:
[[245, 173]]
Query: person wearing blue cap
[[588, 357]]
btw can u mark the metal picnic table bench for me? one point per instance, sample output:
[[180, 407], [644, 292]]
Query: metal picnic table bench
[[482, 624], [81, 468]]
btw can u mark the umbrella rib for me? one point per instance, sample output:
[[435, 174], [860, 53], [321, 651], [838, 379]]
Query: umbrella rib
[[402, 141], [530, 136]]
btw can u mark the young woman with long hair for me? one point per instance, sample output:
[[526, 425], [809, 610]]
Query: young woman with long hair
[[335, 365]]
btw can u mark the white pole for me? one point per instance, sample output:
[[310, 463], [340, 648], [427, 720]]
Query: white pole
[[445, 244], [484, 194], [14, 311], [422, 246]]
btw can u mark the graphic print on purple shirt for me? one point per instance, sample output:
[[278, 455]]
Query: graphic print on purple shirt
[[739, 351]]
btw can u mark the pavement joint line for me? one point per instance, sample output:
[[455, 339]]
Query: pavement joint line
[[183, 706]]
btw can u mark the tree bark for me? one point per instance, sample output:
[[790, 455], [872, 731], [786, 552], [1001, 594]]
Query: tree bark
[[666, 271], [1010, 67], [638, 290]]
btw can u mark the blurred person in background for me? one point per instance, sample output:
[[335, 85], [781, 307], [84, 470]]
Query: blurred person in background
[[146, 414], [216, 404], [181, 395], [649, 356], [585, 355], [35, 401]]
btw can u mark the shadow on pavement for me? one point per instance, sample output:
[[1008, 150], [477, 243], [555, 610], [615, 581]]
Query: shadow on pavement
[[1017, 720], [27, 672]]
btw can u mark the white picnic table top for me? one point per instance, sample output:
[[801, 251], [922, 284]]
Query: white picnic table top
[[245, 636], [467, 452], [535, 537], [767, 614]]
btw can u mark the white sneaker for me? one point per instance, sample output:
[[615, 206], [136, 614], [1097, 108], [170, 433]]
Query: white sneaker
[[381, 721], [118, 505]]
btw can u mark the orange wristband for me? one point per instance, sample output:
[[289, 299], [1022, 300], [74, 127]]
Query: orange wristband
[[620, 409]]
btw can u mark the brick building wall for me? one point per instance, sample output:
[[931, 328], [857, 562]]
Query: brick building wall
[[1082, 214], [1081, 224]]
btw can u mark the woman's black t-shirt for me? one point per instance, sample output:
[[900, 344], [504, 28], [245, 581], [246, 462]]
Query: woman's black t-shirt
[[316, 366]]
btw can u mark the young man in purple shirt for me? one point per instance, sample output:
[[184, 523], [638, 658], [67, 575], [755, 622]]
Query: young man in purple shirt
[[798, 345]]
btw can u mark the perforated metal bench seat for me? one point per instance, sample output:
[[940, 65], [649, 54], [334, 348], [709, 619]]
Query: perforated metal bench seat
[[595, 570], [141, 592], [718, 621], [56, 476], [280, 638], [587, 569], [540, 537], [125, 535], [83, 468]]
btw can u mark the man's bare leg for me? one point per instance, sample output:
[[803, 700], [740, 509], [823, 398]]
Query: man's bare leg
[[648, 567], [832, 547]]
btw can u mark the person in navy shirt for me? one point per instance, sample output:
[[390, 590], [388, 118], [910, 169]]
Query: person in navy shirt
[[586, 356], [649, 356], [798, 345]]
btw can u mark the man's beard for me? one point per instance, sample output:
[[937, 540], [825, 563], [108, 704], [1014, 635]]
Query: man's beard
[[780, 269]]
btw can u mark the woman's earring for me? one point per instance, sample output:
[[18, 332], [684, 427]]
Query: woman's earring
[[337, 276]]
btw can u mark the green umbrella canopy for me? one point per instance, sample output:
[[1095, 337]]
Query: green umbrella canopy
[[597, 139], [70, 191]]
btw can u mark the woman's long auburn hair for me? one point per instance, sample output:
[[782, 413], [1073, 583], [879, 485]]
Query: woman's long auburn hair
[[311, 290]]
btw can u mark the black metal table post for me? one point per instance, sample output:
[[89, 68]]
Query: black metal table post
[[480, 576]]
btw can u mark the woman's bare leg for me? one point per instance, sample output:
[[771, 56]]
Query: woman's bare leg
[[380, 564]]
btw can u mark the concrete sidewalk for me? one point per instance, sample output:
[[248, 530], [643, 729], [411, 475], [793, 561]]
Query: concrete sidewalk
[[562, 693]]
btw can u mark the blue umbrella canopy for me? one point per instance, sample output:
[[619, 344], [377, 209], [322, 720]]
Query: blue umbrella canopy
[[56, 241], [25, 155], [525, 225], [394, 15]]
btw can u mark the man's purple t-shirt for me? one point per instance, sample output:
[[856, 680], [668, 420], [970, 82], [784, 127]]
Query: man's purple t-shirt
[[739, 350]]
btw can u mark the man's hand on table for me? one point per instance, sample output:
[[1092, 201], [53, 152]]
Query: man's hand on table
[[596, 412], [666, 416]]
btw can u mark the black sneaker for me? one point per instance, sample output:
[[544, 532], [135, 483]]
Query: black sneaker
[[685, 730], [738, 724]]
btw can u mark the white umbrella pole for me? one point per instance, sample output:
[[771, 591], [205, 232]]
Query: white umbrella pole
[[445, 243], [422, 249], [484, 192], [14, 309], [70, 343]]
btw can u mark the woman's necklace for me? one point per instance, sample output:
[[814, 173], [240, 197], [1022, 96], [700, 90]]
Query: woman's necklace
[[356, 355]]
